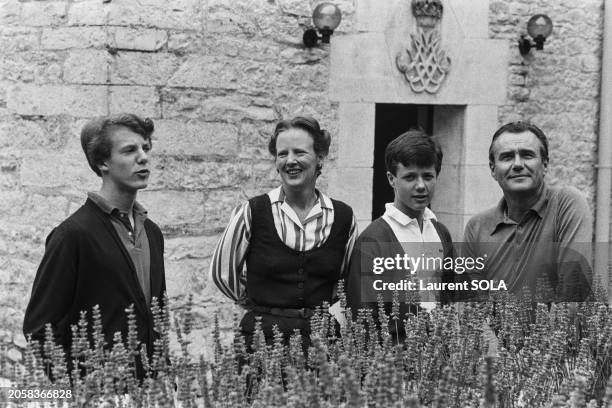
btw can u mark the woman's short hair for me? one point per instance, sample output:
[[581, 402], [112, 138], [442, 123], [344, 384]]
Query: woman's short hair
[[95, 136], [320, 137], [520, 127], [415, 147]]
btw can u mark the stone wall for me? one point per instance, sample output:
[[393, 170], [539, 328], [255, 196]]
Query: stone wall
[[557, 88], [215, 75]]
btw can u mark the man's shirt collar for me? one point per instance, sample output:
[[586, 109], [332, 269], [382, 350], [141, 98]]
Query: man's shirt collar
[[392, 212], [501, 211], [108, 208]]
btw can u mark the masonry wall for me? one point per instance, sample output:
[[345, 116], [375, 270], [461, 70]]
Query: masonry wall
[[215, 76], [557, 88]]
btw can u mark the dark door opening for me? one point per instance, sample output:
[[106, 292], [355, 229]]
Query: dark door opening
[[392, 120]]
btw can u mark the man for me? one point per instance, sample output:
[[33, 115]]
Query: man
[[413, 161], [538, 236], [107, 253]]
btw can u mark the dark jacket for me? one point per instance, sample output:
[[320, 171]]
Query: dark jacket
[[85, 264]]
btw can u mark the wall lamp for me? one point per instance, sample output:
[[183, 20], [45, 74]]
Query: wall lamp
[[539, 28], [326, 18]]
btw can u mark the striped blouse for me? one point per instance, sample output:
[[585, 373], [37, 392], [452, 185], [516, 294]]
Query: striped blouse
[[228, 267]]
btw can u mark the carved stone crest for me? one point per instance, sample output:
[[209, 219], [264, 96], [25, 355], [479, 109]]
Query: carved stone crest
[[424, 63]]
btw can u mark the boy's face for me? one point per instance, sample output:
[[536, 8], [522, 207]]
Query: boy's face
[[127, 167], [414, 188]]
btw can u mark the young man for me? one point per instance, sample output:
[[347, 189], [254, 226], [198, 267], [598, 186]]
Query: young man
[[537, 234], [408, 226], [107, 253]]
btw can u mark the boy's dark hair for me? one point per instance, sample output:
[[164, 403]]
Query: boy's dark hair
[[413, 147], [95, 136]]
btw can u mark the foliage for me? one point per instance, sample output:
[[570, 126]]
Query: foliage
[[501, 353]]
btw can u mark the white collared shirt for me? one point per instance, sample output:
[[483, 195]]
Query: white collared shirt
[[406, 229], [414, 241]]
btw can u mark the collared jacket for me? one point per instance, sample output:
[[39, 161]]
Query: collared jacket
[[85, 264]]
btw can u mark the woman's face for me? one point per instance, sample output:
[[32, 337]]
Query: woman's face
[[296, 160]]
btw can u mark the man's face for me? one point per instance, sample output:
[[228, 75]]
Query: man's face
[[296, 160], [517, 163], [127, 167], [414, 188]]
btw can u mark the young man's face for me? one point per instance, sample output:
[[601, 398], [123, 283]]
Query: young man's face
[[127, 167], [517, 163], [414, 188]]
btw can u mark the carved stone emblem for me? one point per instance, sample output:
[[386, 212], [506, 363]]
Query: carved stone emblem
[[424, 63]]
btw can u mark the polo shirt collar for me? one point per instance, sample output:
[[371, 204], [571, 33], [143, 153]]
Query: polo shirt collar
[[392, 212], [109, 209], [539, 207]]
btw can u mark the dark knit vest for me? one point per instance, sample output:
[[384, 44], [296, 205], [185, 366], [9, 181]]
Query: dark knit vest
[[279, 276]]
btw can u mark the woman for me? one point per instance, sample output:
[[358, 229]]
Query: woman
[[283, 252]]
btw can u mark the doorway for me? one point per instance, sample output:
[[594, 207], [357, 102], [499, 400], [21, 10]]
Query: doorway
[[391, 120]]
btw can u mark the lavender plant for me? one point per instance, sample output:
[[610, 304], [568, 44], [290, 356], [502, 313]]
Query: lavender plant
[[501, 353]]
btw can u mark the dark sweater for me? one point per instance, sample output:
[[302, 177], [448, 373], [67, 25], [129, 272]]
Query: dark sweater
[[85, 264], [379, 240]]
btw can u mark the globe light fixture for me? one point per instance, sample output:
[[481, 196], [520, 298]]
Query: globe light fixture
[[326, 18], [539, 27]]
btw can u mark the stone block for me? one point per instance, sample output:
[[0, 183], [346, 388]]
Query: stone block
[[17, 274], [186, 277], [353, 185], [18, 39], [139, 68], [63, 38], [223, 21], [218, 207], [10, 12], [472, 16], [207, 72], [181, 42], [370, 16], [175, 14], [180, 173], [195, 138], [48, 13], [21, 208], [24, 241], [190, 247], [87, 13], [9, 172], [86, 67], [253, 140], [171, 208], [480, 124], [140, 39], [58, 171], [448, 130], [356, 123], [141, 100], [17, 133], [448, 196], [83, 101], [201, 105], [26, 66], [263, 49], [29, 135]]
